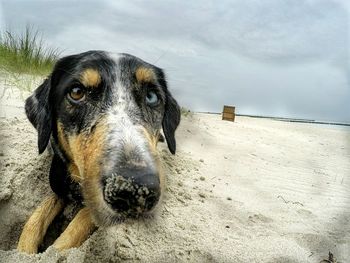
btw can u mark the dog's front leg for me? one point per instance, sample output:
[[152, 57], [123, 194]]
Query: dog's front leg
[[77, 231], [35, 229]]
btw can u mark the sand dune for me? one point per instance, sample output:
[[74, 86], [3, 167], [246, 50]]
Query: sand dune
[[256, 190]]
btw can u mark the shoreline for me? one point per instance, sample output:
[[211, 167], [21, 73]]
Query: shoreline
[[310, 121]]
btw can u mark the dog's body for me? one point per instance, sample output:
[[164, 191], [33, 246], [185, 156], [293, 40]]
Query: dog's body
[[102, 114]]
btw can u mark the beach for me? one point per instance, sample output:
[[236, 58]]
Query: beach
[[253, 190]]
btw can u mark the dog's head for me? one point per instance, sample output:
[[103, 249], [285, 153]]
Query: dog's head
[[105, 112]]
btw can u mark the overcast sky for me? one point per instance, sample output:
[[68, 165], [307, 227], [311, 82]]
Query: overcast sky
[[272, 57]]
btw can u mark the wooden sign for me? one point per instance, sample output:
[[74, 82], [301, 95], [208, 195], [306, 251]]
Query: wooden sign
[[228, 113]]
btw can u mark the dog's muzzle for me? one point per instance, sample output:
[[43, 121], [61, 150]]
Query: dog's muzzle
[[132, 190]]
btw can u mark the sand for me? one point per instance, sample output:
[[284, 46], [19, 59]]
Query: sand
[[256, 190]]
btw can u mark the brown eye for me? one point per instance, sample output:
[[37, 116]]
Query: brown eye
[[77, 94]]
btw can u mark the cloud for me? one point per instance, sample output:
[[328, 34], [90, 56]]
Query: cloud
[[278, 30], [2, 19], [266, 57]]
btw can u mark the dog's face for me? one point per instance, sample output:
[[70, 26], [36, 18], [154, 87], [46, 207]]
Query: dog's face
[[105, 112]]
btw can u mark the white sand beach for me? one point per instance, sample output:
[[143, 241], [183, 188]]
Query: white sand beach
[[253, 190]]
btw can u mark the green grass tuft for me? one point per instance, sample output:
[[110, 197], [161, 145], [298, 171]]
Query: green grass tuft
[[26, 53]]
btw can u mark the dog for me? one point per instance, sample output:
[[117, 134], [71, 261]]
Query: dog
[[102, 113]]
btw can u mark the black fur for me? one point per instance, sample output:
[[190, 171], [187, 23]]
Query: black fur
[[60, 181], [38, 111], [171, 120]]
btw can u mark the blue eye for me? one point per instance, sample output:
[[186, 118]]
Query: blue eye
[[152, 99]]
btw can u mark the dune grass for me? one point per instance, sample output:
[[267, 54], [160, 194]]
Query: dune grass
[[26, 53]]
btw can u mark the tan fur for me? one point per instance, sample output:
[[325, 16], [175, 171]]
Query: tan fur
[[145, 75], [76, 147], [84, 151], [90, 78], [153, 141], [63, 142], [35, 229], [77, 231], [151, 138], [74, 173], [87, 150]]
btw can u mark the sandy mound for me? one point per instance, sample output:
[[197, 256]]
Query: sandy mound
[[250, 191]]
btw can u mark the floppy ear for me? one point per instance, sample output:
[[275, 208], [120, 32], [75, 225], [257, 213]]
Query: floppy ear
[[171, 120], [38, 112]]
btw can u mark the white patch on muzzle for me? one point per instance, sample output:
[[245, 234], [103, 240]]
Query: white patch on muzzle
[[125, 136]]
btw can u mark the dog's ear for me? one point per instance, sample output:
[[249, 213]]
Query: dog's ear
[[171, 120], [38, 111]]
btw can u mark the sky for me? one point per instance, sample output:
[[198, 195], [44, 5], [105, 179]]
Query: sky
[[273, 57]]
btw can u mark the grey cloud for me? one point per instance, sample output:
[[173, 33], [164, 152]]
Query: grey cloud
[[277, 30], [268, 57]]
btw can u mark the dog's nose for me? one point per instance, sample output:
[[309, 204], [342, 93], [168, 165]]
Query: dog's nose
[[132, 190]]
